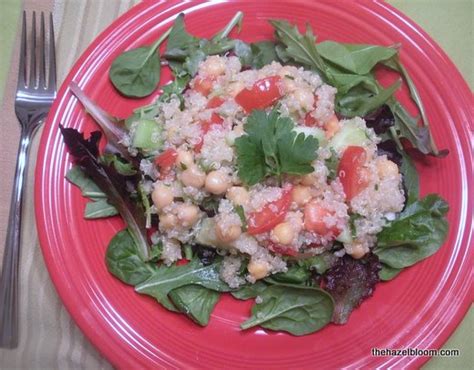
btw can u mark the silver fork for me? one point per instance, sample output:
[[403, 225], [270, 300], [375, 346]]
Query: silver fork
[[34, 95]]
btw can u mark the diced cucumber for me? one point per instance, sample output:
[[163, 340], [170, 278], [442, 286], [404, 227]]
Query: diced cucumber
[[345, 236], [146, 135], [349, 134], [207, 234], [312, 131]]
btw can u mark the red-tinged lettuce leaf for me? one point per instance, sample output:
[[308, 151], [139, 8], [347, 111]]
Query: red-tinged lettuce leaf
[[351, 281], [112, 183], [112, 127]]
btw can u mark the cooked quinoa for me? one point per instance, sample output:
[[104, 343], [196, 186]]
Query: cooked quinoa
[[202, 130]]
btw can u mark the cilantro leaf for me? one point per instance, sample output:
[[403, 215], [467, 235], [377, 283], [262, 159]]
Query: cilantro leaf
[[272, 148]]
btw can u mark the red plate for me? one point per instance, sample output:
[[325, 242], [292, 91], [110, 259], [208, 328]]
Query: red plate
[[419, 309]]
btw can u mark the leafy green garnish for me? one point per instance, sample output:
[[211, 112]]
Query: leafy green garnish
[[388, 273], [123, 261], [99, 209], [195, 301], [418, 233], [165, 279], [249, 290], [271, 148], [410, 179], [257, 54], [296, 310], [240, 211], [136, 72], [88, 187]]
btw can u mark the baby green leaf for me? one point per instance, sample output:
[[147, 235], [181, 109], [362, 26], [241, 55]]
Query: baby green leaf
[[418, 233], [165, 279], [388, 273], [136, 72], [410, 178], [99, 209], [356, 58], [88, 187], [249, 291], [296, 310], [124, 262], [195, 301]]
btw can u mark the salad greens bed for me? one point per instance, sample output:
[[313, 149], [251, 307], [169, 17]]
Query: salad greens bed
[[314, 291]]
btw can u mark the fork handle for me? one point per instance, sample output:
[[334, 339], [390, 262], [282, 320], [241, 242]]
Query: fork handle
[[11, 257]]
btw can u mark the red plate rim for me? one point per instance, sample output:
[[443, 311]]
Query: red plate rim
[[92, 323]]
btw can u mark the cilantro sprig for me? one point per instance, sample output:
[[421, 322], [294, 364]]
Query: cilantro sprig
[[272, 148]]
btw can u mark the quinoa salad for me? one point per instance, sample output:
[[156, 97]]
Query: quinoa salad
[[275, 171]]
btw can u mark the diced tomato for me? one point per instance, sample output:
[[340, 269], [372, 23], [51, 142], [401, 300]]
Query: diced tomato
[[165, 161], [282, 249], [182, 262], [203, 86], [205, 127], [215, 102], [271, 215], [262, 94], [310, 121], [314, 219], [351, 171]]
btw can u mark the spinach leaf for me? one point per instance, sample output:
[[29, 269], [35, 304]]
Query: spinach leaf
[[114, 185], [295, 275], [249, 291], [418, 233], [123, 261], [165, 279], [99, 209], [176, 87], [136, 72], [195, 301], [355, 58], [320, 263], [296, 310], [88, 187], [388, 273], [410, 178]]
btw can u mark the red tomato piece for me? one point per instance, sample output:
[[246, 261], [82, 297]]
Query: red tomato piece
[[206, 127], [314, 219], [271, 215], [215, 102], [351, 171], [282, 249], [262, 94], [203, 86], [182, 262], [165, 161]]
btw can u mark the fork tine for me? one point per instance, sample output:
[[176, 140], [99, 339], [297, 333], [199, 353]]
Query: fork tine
[[42, 55], [32, 83], [22, 67], [52, 57]]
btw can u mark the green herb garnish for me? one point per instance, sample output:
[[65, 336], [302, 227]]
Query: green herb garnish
[[272, 148]]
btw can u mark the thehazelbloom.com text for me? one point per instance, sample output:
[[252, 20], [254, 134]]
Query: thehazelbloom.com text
[[415, 352]]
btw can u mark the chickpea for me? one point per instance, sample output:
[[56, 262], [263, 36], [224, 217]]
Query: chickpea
[[332, 126], [258, 269], [238, 195], [305, 98], [184, 157], [227, 234], [162, 196], [193, 176], [357, 250], [386, 168], [309, 179], [213, 66], [283, 233], [301, 195], [188, 214], [217, 182], [168, 221]]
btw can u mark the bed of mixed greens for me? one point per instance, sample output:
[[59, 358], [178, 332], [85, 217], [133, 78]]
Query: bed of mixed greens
[[315, 291]]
